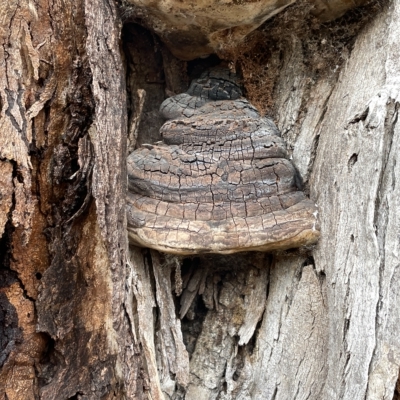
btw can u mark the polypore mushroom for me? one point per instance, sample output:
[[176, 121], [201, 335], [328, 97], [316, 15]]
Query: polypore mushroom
[[220, 182], [193, 29]]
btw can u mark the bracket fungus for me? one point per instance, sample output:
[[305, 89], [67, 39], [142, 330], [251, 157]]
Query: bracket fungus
[[193, 29], [220, 182]]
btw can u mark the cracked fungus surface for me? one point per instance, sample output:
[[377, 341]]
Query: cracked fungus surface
[[220, 182]]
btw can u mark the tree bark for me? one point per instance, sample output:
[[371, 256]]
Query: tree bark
[[65, 332], [84, 317], [327, 323]]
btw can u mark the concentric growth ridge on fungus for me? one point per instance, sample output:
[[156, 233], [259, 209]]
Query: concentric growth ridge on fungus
[[220, 182]]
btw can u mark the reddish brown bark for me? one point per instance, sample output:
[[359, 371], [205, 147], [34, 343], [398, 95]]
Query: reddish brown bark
[[62, 156]]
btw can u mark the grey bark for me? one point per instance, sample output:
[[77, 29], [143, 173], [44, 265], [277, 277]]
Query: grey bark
[[328, 329]]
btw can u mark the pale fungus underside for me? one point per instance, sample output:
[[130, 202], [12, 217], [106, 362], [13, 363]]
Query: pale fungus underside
[[220, 182]]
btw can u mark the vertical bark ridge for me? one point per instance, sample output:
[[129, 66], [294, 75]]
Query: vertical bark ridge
[[62, 152]]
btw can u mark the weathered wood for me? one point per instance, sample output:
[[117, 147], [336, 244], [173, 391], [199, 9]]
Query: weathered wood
[[290, 353], [354, 182], [143, 321], [329, 326], [173, 355]]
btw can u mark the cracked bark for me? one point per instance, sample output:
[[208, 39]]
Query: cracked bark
[[327, 329], [63, 247], [79, 322]]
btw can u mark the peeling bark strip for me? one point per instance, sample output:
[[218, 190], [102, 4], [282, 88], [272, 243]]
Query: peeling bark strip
[[174, 357], [222, 184]]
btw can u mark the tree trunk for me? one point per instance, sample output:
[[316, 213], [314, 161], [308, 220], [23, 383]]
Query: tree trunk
[[64, 329], [84, 317]]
